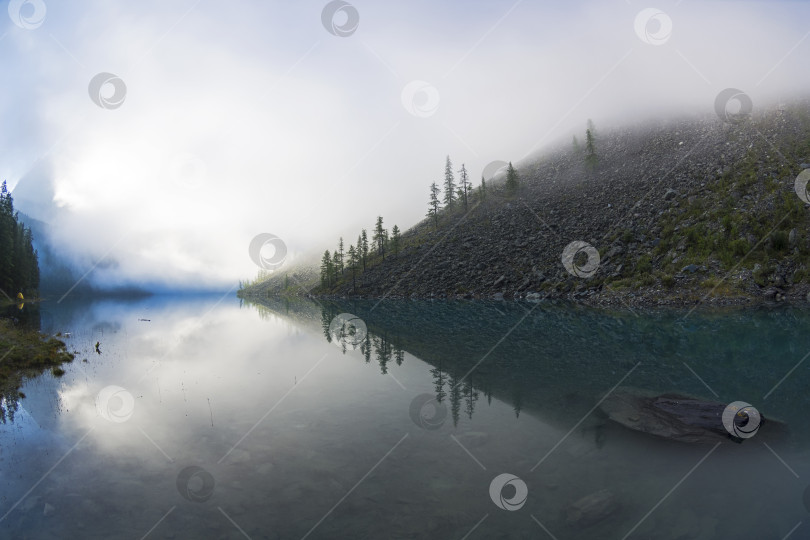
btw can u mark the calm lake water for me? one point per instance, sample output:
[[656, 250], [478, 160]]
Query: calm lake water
[[213, 418]]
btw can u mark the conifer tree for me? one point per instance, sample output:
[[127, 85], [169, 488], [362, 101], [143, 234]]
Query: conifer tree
[[449, 184], [380, 237], [482, 189], [590, 150], [464, 185], [353, 265], [395, 240], [434, 204], [340, 255], [326, 269], [364, 248], [511, 179], [335, 266]]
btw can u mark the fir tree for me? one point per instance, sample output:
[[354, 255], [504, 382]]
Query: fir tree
[[340, 255], [335, 266], [449, 184], [464, 186], [326, 269], [395, 240], [590, 150], [353, 265], [482, 189], [364, 248], [380, 237], [434, 204], [511, 179]]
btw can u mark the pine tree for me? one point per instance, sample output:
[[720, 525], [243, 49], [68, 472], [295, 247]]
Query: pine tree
[[464, 187], [511, 179], [364, 247], [380, 237], [434, 204], [590, 150], [395, 240], [359, 250], [449, 184], [575, 145], [482, 189]]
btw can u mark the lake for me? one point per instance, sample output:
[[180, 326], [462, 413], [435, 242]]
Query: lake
[[210, 417]]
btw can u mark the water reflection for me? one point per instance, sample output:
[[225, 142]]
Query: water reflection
[[198, 417]]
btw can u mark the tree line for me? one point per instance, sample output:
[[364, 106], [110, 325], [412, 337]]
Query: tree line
[[19, 265], [357, 257], [460, 193]]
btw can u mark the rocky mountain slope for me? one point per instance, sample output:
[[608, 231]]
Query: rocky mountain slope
[[679, 211]]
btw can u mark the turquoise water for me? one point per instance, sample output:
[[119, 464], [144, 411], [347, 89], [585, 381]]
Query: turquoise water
[[218, 419]]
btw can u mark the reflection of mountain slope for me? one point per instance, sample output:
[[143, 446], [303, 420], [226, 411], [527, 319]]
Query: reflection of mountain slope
[[562, 359]]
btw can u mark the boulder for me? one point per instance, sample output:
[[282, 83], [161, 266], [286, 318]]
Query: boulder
[[670, 416]]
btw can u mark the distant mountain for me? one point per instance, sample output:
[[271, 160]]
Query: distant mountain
[[33, 197], [677, 212]]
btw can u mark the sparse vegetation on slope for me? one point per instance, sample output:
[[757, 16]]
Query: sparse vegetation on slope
[[681, 211]]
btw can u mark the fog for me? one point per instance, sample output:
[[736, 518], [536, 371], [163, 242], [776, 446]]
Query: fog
[[222, 120]]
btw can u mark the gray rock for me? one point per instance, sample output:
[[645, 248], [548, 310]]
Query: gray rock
[[497, 296], [770, 293], [691, 268], [670, 194], [805, 165]]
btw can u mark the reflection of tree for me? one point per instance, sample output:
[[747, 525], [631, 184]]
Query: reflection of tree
[[383, 349], [455, 396], [438, 383], [399, 355], [365, 348], [470, 397]]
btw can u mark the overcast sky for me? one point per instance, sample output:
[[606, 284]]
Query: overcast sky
[[248, 117]]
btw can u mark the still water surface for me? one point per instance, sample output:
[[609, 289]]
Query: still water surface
[[217, 419]]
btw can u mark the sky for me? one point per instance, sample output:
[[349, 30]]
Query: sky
[[165, 136]]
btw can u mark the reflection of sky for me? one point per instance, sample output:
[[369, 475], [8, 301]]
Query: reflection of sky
[[310, 423]]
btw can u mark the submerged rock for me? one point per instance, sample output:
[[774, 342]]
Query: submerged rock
[[671, 416], [592, 508]]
